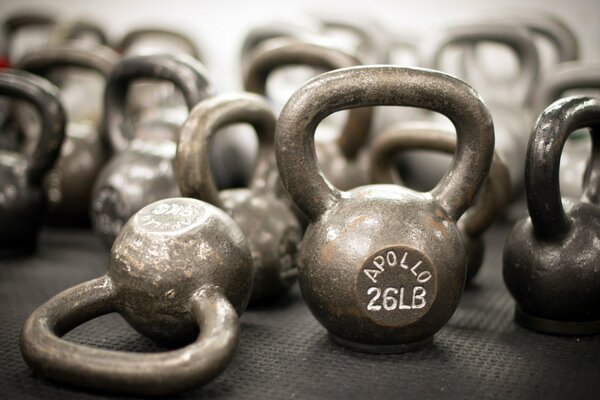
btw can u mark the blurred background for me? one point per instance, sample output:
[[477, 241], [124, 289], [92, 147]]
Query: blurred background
[[219, 27]]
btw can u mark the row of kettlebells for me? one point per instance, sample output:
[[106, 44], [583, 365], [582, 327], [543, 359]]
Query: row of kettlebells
[[382, 267]]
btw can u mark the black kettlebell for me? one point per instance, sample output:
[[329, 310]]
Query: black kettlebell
[[22, 197], [19, 22], [341, 160], [142, 169], [271, 227], [490, 203], [69, 184], [180, 271], [383, 267], [551, 258]]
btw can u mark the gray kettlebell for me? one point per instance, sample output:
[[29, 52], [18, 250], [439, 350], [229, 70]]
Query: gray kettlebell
[[69, 184], [551, 258], [142, 170], [180, 271], [271, 227], [382, 267], [490, 202], [22, 196]]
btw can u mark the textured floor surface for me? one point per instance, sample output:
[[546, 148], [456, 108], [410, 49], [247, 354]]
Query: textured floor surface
[[284, 353]]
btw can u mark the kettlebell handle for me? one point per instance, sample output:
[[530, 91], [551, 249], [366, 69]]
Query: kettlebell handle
[[194, 172], [516, 38], [134, 35], [542, 165], [281, 52], [97, 58], [494, 195], [147, 374], [567, 76], [383, 86], [186, 73], [45, 97]]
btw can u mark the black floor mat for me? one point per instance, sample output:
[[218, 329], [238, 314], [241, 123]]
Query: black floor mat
[[285, 353]]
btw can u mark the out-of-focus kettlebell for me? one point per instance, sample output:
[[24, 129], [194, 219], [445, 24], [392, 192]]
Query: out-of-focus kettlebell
[[142, 169]]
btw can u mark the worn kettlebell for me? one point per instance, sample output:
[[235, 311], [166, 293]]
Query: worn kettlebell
[[383, 267], [567, 77], [510, 105], [179, 271], [142, 171], [341, 159], [551, 258], [490, 202], [271, 227], [69, 184], [22, 197]]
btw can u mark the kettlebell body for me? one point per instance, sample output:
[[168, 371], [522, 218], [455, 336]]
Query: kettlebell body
[[180, 271], [382, 267], [551, 258]]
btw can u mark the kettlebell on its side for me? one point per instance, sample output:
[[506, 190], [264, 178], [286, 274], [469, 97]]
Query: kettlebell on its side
[[490, 203], [142, 170], [22, 197], [270, 226], [69, 184], [551, 258], [383, 267]]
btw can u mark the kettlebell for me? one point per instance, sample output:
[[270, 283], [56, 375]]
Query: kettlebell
[[180, 271], [511, 108], [269, 224], [341, 159], [564, 78], [142, 169], [551, 258], [490, 202], [383, 267], [69, 184], [22, 197], [544, 27], [42, 24]]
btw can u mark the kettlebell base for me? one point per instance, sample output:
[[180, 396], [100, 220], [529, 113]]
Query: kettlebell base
[[382, 348], [555, 327]]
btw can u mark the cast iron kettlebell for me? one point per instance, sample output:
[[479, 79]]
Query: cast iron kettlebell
[[490, 202], [142, 171], [14, 24], [69, 184], [179, 271], [22, 197], [271, 227], [341, 159], [551, 259], [383, 267]]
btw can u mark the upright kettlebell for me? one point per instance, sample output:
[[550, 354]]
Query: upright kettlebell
[[69, 184], [271, 227], [551, 258], [490, 203], [17, 23], [341, 159], [179, 271], [142, 170], [383, 267], [22, 197]]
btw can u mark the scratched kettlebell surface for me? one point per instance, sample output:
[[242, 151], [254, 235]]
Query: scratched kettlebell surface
[[285, 353]]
